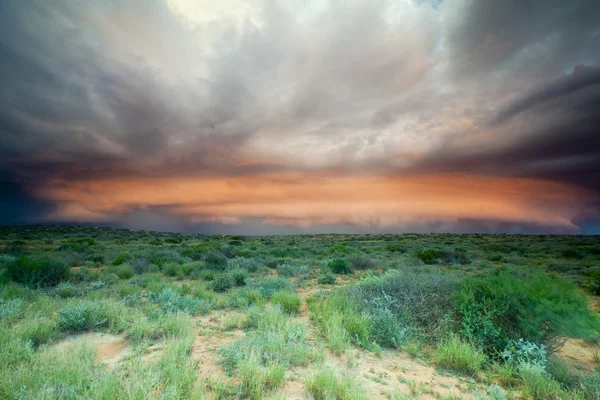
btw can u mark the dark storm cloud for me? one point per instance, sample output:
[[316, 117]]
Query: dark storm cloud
[[558, 139], [530, 37], [101, 90], [582, 78]]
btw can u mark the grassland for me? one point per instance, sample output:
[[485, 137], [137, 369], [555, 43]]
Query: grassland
[[99, 313]]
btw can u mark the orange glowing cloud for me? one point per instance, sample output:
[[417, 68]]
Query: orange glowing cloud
[[320, 199]]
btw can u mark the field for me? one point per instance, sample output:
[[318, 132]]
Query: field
[[98, 313]]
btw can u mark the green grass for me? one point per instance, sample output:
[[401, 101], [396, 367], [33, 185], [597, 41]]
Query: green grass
[[326, 385], [460, 356], [288, 301], [161, 290]]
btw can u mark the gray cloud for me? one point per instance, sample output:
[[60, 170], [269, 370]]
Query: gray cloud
[[133, 88]]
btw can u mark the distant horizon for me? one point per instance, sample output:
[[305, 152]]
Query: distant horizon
[[298, 233]]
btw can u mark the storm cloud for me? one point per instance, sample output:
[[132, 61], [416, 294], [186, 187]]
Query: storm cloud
[[186, 94]]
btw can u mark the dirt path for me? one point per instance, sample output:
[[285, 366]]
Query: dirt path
[[210, 339]]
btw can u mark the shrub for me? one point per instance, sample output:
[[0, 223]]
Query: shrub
[[171, 302], [216, 260], [286, 270], [82, 317], [65, 290], [288, 301], [140, 264], [537, 384], [223, 282], [361, 262], [339, 266], [325, 385], [173, 269], [387, 330], [592, 283], [504, 305], [37, 272], [121, 258], [326, 278], [249, 264], [239, 277], [267, 287], [419, 301], [522, 352], [460, 356], [10, 309], [37, 331], [124, 271], [429, 255]]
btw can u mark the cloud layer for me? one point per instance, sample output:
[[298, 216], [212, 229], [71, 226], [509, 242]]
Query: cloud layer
[[113, 108]]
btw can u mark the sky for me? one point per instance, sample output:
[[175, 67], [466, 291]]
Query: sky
[[276, 117]]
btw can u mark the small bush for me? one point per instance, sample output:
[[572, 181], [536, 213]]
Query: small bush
[[523, 352], [37, 331], [140, 264], [592, 283], [537, 384], [339, 266], [325, 385], [289, 302], [223, 282], [82, 317], [326, 278], [171, 302], [124, 271], [174, 270], [361, 262], [269, 286], [239, 277], [121, 258], [66, 290], [460, 356], [216, 260], [249, 264], [37, 272], [502, 306], [429, 255]]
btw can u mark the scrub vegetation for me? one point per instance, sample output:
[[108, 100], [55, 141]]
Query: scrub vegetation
[[111, 313]]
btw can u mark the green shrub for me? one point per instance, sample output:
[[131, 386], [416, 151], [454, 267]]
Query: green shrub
[[140, 264], [419, 301], [11, 310], [268, 286], [37, 331], [429, 255], [215, 260], [82, 317], [459, 356], [387, 330], [288, 301], [239, 277], [504, 305], [339, 266], [249, 264], [592, 283], [121, 258], [124, 271], [361, 262], [326, 278], [171, 302], [325, 385], [537, 384], [66, 290], [37, 271], [173, 269], [523, 352], [223, 282]]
